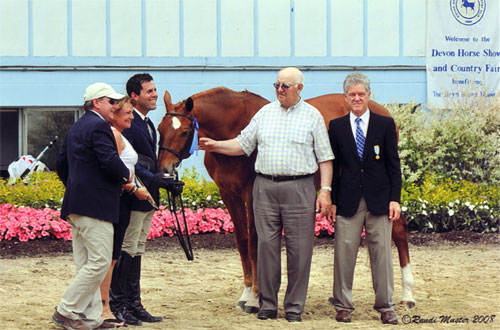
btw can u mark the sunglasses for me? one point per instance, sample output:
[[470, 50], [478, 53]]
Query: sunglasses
[[283, 86], [110, 101]]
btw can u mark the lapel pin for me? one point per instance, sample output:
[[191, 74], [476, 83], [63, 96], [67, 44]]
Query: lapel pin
[[376, 148]]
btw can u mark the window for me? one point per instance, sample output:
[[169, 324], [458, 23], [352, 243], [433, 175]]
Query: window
[[28, 131]]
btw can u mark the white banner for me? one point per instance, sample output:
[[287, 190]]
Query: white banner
[[462, 50]]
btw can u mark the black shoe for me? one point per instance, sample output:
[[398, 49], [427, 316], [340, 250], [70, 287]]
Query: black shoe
[[142, 314], [125, 316], [267, 314], [293, 317]]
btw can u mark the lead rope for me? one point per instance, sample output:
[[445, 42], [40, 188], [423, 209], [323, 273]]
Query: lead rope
[[186, 244]]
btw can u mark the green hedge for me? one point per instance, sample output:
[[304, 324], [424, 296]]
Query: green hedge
[[444, 205], [38, 190]]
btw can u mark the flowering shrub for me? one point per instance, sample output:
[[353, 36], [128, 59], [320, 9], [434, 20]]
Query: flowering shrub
[[37, 190], [197, 192], [444, 205], [200, 221], [26, 223], [459, 143]]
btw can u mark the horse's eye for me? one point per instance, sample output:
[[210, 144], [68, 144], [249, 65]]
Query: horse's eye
[[184, 133]]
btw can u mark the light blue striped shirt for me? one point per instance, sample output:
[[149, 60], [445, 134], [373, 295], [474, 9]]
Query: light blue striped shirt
[[290, 141]]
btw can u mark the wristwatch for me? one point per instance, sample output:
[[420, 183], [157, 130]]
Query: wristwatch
[[326, 188]]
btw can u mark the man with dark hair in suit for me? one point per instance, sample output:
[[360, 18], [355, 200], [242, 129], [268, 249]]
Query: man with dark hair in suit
[[93, 173], [125, 292], [366, 192]]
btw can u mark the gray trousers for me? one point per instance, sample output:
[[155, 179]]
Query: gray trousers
[[92, 248], [378, 231], [287, 205], [134, 242]]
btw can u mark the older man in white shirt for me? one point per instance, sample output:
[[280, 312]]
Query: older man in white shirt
[[292, 143]]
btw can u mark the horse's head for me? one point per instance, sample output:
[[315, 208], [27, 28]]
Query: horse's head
[[176, 133]]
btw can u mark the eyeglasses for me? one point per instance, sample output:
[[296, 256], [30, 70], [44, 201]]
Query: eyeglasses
[[285, 87]]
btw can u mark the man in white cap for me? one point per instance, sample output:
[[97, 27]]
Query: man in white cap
[[93, 173]]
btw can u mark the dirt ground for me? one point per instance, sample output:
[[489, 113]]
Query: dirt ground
[[457, 279]]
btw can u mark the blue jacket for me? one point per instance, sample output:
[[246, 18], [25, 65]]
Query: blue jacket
[[91, 170]]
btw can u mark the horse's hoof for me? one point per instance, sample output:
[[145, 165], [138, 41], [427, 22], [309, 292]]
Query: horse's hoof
[[408, 304], [241, 304], [250, 309]]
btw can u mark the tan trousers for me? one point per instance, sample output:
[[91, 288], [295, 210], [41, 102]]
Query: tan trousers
[[134, 242], [378, 237], [92, 248]]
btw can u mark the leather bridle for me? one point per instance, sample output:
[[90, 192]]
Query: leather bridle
[[184, 152]]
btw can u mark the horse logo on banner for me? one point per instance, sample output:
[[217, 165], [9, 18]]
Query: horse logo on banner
[[468, 12]]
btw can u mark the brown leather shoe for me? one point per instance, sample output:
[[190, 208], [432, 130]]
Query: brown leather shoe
[[67, 323], [389, 317], [343, 316]]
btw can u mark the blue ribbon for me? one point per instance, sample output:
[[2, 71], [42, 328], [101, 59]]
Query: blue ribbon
[[194, 144]]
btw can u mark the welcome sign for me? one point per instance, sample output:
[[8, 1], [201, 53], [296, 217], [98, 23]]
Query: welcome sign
[[463, 49]]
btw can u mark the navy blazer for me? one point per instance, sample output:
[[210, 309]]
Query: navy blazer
[[91, 170], [377, 179], [145, 146]]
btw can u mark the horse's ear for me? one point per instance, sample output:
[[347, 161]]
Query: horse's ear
[[189, 104], [167, 99]]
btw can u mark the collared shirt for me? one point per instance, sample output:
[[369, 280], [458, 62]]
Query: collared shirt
[[97, 113], [365, 118], [290, 141], [137, 112]]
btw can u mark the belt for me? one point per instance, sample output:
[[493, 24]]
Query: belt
[[279, 178]]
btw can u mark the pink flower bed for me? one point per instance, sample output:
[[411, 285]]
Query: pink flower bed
[[26, 223]]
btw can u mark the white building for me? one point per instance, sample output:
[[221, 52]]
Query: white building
[[51, 50]]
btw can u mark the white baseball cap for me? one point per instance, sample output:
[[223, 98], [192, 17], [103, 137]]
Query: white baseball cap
[[99, 90]]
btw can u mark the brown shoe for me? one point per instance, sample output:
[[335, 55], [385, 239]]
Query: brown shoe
[[67, 323], [389, 317], [343, 316]]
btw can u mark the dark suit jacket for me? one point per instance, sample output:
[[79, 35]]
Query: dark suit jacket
[[377, 180], [145, 146], [91, 170]]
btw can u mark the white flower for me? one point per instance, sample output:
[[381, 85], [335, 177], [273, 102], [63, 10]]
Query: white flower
[[193, 203], [209, 197], [471, 207], [467, 203], [450, 204], [457, 201], [451, 213], [424, 212], [404, 208], [423, 206], [429, 224], [486, 207]]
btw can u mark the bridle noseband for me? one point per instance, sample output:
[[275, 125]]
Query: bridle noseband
[[184, 152]]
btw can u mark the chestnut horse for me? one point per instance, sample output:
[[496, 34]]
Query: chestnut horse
[[221, 114]]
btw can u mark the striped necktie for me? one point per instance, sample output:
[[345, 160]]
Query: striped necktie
[[360, 138]]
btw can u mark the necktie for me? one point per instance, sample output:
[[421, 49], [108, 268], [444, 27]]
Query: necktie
[[360, 138], [146, 119]]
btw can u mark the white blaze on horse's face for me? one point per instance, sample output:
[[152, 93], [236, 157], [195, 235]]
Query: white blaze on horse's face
[[176, 123]]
